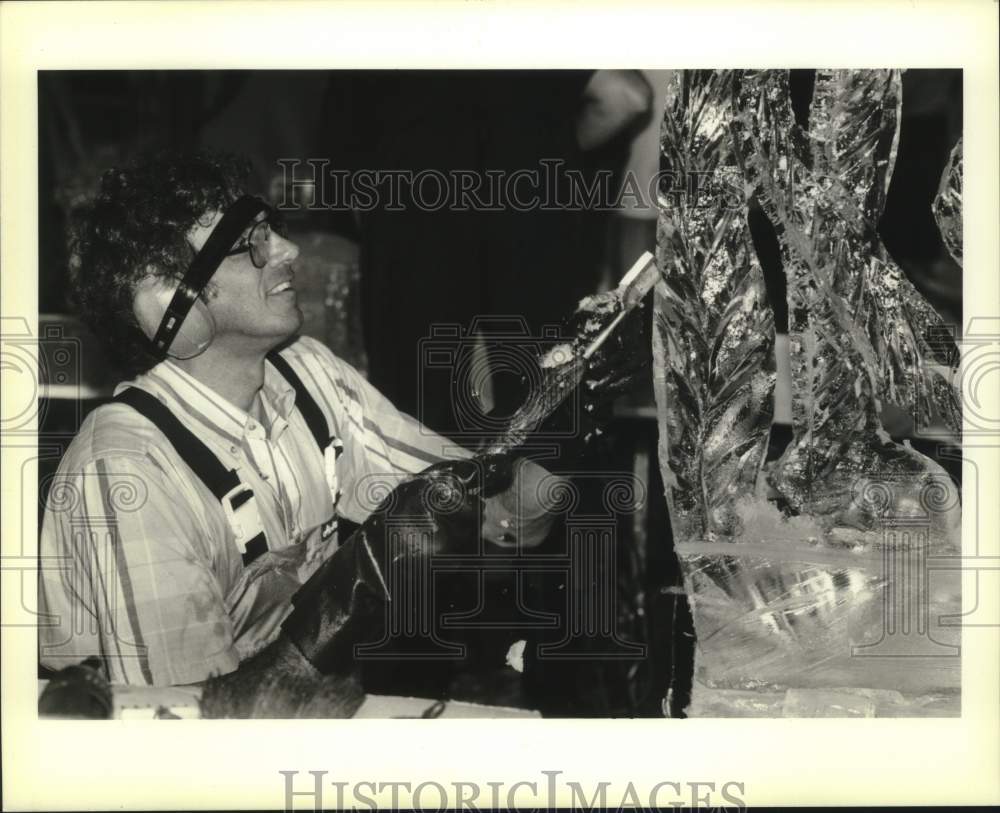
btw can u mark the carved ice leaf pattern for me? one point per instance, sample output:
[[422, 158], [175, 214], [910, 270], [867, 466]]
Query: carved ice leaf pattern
[[860, 334], [713, 332]]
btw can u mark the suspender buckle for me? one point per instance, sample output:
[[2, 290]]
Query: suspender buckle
[[241, 512], [331, 452]]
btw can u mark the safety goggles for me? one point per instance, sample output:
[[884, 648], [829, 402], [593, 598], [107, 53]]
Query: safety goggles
[[258, 243]]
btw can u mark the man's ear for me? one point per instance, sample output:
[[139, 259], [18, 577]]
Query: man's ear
[[152, 296]]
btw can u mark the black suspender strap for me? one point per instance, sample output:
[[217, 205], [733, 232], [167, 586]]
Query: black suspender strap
[[222, 482], [314, 419], [236, 498], [304, 401], [210, 471]]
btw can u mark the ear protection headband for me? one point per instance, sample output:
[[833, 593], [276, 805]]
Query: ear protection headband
[[163, 308]]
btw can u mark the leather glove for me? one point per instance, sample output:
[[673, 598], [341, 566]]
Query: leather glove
[[279, 683], [344, 602]]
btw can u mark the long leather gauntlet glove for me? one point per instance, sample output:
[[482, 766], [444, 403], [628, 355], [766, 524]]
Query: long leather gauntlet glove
[[344, 602], [278, 682], [310, 670]]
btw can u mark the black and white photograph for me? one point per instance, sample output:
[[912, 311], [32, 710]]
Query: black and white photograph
[[553, 395], [414, 455]]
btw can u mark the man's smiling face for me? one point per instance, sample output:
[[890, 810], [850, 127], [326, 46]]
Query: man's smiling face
[[254, 308]]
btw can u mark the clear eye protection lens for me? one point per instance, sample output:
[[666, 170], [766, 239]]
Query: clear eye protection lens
[[260, 244]]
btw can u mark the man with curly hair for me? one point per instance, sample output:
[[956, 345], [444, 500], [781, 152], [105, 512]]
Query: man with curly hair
[[189, 512]]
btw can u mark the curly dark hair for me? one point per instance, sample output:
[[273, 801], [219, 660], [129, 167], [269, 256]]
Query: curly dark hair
[[138, 225]]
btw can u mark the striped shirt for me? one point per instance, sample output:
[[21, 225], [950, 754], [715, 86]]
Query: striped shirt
[[139, 563]]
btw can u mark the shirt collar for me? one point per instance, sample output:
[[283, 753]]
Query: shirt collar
[[188, 397], [280, 394]]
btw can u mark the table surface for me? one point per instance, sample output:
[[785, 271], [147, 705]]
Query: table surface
[[154, 702]]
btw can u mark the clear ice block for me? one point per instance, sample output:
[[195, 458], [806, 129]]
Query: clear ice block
[[948, 204], [795, 607]]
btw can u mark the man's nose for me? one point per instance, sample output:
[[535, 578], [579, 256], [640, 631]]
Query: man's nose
[[283, 250]]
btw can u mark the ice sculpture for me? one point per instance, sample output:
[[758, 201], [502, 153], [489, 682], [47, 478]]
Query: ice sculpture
[[791, 607], [948, 204], [715, 326]]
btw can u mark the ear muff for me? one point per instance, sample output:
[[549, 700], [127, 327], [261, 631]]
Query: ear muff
[[165, 310], [152, 297]]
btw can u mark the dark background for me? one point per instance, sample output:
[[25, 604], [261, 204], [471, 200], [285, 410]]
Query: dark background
[[90, 120]]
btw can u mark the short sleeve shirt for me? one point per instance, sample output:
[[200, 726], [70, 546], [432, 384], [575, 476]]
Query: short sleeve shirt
[[139, 564]]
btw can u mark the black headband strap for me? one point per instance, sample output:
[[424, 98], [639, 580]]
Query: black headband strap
[[205, 263]]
